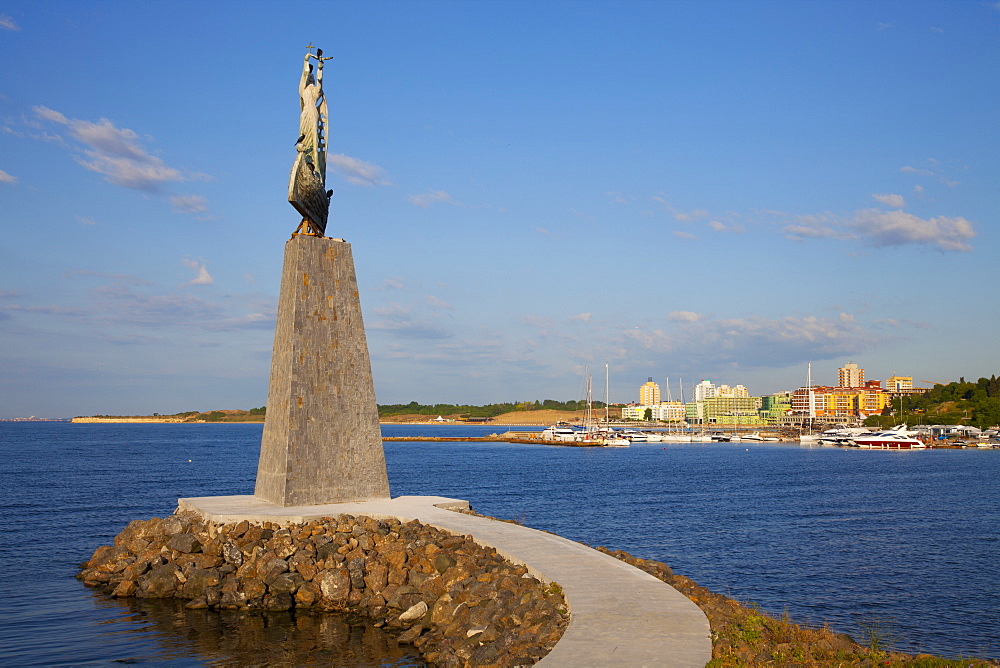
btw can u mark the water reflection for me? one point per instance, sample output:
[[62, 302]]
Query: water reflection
[[241, 638]]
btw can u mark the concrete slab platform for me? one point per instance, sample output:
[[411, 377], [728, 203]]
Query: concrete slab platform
[[620, 615]]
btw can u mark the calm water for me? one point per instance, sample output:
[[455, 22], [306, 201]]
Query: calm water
[[909, 539]]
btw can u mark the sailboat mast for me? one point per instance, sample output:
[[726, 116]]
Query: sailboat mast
[[812, 400], [589, 416], [607, 390]]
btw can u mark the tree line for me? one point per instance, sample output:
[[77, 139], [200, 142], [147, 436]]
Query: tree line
[[489, 410], [961, 402]]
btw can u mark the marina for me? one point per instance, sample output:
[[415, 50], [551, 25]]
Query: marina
[[895, 439]]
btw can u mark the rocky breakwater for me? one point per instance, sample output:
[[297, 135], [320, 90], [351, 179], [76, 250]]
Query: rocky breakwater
[[458, 602]]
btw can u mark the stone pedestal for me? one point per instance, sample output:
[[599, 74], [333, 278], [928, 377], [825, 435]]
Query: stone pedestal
[[321, 441]]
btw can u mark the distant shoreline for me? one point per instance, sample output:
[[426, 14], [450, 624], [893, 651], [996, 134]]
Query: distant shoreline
[[173, 420], [156, 420]]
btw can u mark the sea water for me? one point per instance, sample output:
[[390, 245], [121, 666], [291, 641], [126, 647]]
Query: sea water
[[906, 542]]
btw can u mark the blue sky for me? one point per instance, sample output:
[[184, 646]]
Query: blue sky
[[721, 190]]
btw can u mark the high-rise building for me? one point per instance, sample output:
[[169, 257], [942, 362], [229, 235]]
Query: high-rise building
[[649, 393], [850, 375], [704, 390]]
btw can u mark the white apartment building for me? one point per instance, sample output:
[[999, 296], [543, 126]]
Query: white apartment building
[[669, 411], [704, 390]]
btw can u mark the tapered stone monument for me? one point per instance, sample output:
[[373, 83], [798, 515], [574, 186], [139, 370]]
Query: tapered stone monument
[[321, 441]]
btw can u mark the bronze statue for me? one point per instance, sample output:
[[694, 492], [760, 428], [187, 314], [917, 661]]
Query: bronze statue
[[307, 185]]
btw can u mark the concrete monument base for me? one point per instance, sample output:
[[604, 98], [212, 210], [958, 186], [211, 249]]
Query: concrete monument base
[[321, 442]]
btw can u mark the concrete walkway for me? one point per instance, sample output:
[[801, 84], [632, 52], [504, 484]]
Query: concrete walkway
[[620, 616]]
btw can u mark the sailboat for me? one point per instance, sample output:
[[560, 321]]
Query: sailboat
[[810, 437], [610, 436], [670, 435]]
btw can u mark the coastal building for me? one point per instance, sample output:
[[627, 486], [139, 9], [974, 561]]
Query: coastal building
[[898, 384], [704, 390], [649, 394], [850, 375], [841, 402], [732, 410], [726, 391], [725, 410], [664, 411], [774, 407], [669, 411], [635, 411]]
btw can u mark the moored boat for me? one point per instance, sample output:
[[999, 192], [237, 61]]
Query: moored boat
[[897, 438]]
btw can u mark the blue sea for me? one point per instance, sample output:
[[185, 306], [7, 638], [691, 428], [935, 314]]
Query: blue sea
[[908, 542]]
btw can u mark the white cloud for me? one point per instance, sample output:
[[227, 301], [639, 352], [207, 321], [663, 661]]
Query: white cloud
[[189, 203], [7, 23], [114, 152], [759, 342], [884, 26], [915, 170], [582, 317], [896, 228], [684, 316], [358, 172], [7, 178], [678, 214], [616, 197], [203, 277], [686, 236], [392, 283], [436, 303], [685, 216], [722, 227], [654, 341], [86, 220], [886, 228], [432, 197], [401, 323], [889, 199]]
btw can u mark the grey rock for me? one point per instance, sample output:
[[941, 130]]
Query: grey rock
[[414, 612]]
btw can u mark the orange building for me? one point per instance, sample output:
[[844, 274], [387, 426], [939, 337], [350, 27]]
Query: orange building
[[868, 399]]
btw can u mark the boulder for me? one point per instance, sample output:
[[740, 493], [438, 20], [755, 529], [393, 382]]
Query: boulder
[[184, 542], [335, 584], [160, 582]]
